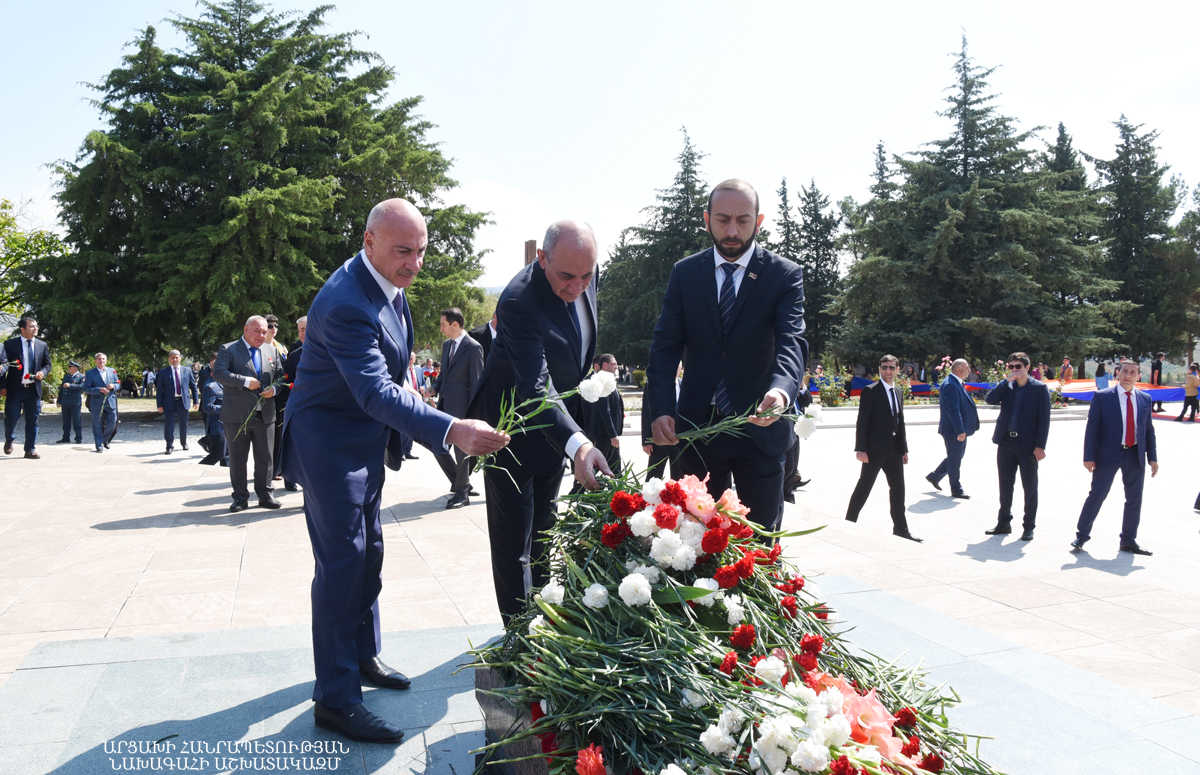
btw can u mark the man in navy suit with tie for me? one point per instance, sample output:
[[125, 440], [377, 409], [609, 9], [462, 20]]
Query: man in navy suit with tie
[[28, 364], [957, 420], [1020, 437], [344, 418], [100, 386], [174, 387], [735, 313], [1119, 437]]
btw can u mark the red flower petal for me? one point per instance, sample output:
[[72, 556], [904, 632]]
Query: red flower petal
[[729, 663], [743, 636], [727, 576], [715, 541], [623, 504], [666, 516]]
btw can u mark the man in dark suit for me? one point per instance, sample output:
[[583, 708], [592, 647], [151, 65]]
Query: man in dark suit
[[290, 365], [1119, 437], [735, 313], [248, 368], [174, 386], [214, 429], [957, 419], [343, 420], [1021, 432], [100, 385], [28, 364], [1156, 372], [70, 398], [462, 369], [545, 342], [880, 443], [605, 419], [485, 335]]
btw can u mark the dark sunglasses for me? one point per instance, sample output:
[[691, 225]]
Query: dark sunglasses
[[1016, 365], [888, 368]]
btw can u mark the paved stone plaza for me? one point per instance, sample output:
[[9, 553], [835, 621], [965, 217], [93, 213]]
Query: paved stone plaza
[[193, 621]]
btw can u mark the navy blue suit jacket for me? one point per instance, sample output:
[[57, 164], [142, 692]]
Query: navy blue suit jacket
[[957, 411], [93, 381], [346, 399], [763, 349], [70, 390], [1033, 423], [1105, 432], [536, 352], [211, 398], [14, 351], [164, 385]]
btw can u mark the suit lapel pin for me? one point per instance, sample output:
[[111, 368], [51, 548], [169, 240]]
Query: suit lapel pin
[[752, 275]]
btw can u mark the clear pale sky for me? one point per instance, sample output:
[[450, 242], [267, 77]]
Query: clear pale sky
[[571, 110]]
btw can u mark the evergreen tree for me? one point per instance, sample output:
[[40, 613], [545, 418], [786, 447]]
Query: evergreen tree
[[1155, 273], [19, 247], [234, 176], [789, 243], [819, 258], [634, 280], [1063, 159], [973, 253]]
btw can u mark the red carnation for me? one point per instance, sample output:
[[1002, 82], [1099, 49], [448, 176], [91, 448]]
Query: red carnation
[[625, 504], [788, 604], [739, 530], [743, 636], [912, 747], [932, 762], [906, 717], [822, 613], [842, 766], [775, 552], [745, 566], [612, 535], [812, 644], [666, 516], [798, 582], [729, 663], [536, 713], [807, 662], [786, 587], [727, 576], [590, 761], [673, 493], [715, 541]]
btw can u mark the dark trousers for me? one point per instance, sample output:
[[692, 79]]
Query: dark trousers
[[277, 449], [660, 456], [1133, 476], [260, 435], [612, 455], [952, 463], [730, 459], [457, 468], [1194, 403], [1010, 457], [103, 420], [174, 412], [519, 510], [347, 543], [406, 443], [217, 452], [18, 399], [892, 465], [72, 418]]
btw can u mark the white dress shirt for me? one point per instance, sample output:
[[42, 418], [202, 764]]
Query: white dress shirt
[[893, 396], [454, 348], [743, 262]]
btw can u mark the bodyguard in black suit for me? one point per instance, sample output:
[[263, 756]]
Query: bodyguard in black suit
[[1021, 432], [28, 361], [544, 346], [605, 419], [214, 430], [741, 340], [174, 387], [880, 443], [462, 369], [291, 363], [485, 335], [70, 398]]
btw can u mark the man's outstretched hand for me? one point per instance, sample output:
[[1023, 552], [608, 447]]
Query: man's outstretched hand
[[475, 437], [587, 459]]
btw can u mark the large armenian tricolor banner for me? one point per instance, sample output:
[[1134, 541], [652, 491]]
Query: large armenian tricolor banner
[[1077, 389]]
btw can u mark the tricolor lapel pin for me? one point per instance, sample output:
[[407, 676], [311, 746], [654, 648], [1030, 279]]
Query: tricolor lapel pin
[[752, 275]]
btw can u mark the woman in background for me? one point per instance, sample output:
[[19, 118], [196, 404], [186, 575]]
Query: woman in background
[[1101, 376]]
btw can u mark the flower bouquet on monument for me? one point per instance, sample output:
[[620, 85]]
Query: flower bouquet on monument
[[674, 639]]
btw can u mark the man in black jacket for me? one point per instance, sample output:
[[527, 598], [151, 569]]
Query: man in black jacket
[[291, 363], [880, 443], [485, 335], [1020, 436], [605, 419]]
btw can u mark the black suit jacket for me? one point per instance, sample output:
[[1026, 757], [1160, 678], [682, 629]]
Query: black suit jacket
[[1033, 423], [14, 352], [878, 432], [483, 335], [605, 419], [763, 349], [459, 376], [536, 353], [290, 364]]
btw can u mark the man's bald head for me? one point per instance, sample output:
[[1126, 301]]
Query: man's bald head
[[960, 368], [395, 241], [575, 233], [393, 212], [568, 257]]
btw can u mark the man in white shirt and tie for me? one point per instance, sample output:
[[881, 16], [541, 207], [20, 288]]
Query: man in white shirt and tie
[[174, 388], [880, 444]]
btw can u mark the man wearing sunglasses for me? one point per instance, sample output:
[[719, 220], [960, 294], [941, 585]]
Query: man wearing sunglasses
[[1020, 438]]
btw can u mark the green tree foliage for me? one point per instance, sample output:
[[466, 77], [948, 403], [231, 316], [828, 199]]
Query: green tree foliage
[[789, 243], [20, 246], [971, 247], [234, 176], [819, 257], [634, 280], [1157, 273]]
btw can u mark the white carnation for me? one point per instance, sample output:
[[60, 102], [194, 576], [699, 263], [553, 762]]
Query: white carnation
[[802, 692], [553, 592], [806, 427], [814, 412], [652, 491], [643, 524], [833, 700], [692, 535], [665, 545], [731, 721], [836, 730], [717, 741], [538, 621], [649, 571], [634, 590], [692, 699], [712, 586], [770, 670], [671, 769], [595, 596], [773, 759], [545, 706], [831, 616], [734, 612], [869, 754], [607, 381], [591, 389], [810, 757]]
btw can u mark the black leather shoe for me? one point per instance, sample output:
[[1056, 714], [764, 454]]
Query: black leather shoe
[[473, 493], [801, 482], [183, 447], [931, 480], [789, 497], [1135, 549], [908, 535], [8, 447], [32, 455], [374, 671], [411, 457], [269, 503], [458, 501], [1077, 544], [106, 445], [63, 441], [960, 496], [356, 723], [239, 506], [1027, 535], [169, 451], [290, 486], [999, 530]]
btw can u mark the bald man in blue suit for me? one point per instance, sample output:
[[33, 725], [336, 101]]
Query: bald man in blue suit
[[345, 415]]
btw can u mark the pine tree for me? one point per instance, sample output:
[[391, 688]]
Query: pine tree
[[789, 244], [233, 177], [819, 258], [1063, 160], [634, 280]]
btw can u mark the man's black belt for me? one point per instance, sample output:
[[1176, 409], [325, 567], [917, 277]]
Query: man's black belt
[[1013, 434]]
